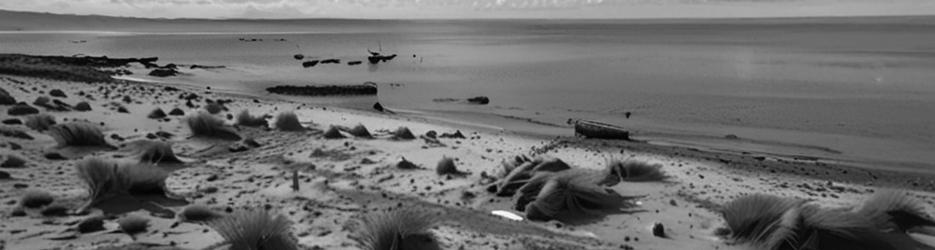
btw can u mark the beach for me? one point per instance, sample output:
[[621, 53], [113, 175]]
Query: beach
[[833, 142]]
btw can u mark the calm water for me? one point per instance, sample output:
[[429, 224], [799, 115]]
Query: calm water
[[865, 89]]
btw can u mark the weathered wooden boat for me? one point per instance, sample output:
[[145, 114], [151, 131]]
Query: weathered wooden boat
[[599, 130]]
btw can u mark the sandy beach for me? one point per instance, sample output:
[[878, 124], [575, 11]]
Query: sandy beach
[[342, 179]]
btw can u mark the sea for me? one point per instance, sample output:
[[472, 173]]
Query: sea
[[837, 89]]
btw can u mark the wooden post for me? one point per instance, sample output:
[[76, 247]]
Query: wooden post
[[295, 180]]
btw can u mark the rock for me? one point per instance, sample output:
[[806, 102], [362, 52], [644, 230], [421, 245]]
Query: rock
[[12, 161], [446, 166], [91, 224], [732, 137], [57, 93], [482, 100], [83, 106], [6, 98], [331, 60], [333, 133], [298, 56], [659, 230], [4, 175], [157, 114], [12, 121], [403, 133], [431, 134], [54, 156], [456, 135], [164, 72], [406, 164], [309, 64], [123, 109], [15, 133], [251, 142], [177, 112], [22, 109], [378, 107], [354, 62], [238, 147], [15, 146], [55, 210]]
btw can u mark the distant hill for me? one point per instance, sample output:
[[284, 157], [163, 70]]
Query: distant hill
[[35, 21]]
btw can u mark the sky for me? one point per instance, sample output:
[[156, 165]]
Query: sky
[[458, 9]]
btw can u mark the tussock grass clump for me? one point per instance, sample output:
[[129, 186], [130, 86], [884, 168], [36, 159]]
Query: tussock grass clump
[[569, 196], [398, 229], [36, 199], [40, 122], [257, 229], [78, 134], [91, 224], [288, 121], [771, 222], [245, 119], [207, 125], [360, 131], [446, 166], [333, 133], [890, 210], [634, 170], [403, 133], [106, 179], [155, 152], [214, 108], [133, 224]]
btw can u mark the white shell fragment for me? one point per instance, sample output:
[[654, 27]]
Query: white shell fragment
[[507, 214]]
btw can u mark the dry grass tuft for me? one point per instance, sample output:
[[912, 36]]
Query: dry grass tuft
[[634, 170], [207, 125], [105, 179], [245, 119], [398, 229], [155, 152], [569, 196], [247, 230], [288, 121], [40, 122], [78, 134]]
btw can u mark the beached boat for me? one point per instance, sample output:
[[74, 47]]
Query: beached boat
[[599, 130]]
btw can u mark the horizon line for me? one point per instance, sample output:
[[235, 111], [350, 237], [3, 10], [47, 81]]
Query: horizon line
[[477, 19]]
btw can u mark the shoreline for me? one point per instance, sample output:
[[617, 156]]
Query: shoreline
[[520, 127]]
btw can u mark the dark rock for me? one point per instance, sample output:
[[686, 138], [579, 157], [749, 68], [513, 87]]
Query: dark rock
[[431, 134], [6, 98], [54, 156], [456, 135], [329, 61], [57, 93], [15, 133], [157, 114], [659, 230], [55, 210], [309, 64], [12, 161], [22, 109], [83, 106], [379, 107], [298, 56], [482, 100], [164, 72], [4, 175], [354, 62], [324, 90], [12, 121], [123, 109], [333, 133], [91, 224], [176, 112]]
